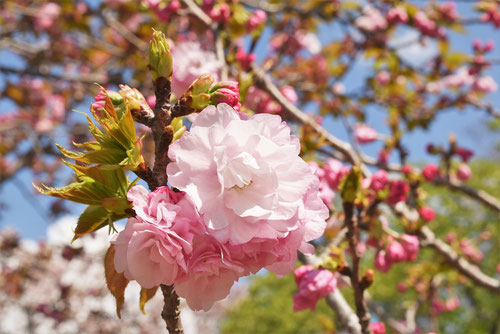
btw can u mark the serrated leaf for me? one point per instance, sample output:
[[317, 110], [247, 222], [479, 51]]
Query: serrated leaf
[[93, 218], [84, 192], [146, 295], [111, 176], [116, 282]]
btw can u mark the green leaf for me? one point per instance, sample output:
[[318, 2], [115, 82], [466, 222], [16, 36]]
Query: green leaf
[[350, 185], [93, 218]]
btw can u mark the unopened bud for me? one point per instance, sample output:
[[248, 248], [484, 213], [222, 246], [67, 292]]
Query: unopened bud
[[160, 58]]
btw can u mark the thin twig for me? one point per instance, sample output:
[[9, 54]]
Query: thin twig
[[352, 237], [474, 273]]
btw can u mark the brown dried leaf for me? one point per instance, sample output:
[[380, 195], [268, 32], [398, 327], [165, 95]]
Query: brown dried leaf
[[116, 281]]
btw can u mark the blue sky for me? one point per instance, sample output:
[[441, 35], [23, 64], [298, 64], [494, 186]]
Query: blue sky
[[469, 125]]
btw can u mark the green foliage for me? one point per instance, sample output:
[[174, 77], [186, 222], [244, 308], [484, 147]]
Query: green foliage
[[268, 309]]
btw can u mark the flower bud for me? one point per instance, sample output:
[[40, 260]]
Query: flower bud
[[396, 252], [229, 95], [382, 263], [160, 58], [463, 172]]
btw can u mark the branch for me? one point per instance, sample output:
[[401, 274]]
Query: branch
[[474, 273], [264, 82], [33, 71], [195, 10], [352, 237], [171, 313]]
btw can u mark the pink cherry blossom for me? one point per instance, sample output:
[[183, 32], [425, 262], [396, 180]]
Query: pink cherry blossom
[[257, 18], [397, 14], [384, 155], [485, 85], [379, 180], [396, 252], [245, 59], [153, 247], [382, 262], [410, 245], [334, 172], [210, 274], [397, 191], [247, 179], [371, 20], [150, 254], [464, 172], [46, 15], [383, 77], [313, 285], [378, 328], [427, 214], [191, 62], [430, 172]]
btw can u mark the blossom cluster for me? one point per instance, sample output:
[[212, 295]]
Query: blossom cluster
[[405, 249], [247, 201]]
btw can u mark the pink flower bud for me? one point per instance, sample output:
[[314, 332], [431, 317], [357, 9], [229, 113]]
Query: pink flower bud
[[477, 45], [364, 133], [245, 59], [382, 262], [289, 93], [407, 169], [396, 252], [463, 172], [498, 268], [430, 172], [100, 101], [383, 156], [220, 13], [383, 77], [401, 287], [450, 237], [488, 46], [411, 246], [378, 328], [427, 214]]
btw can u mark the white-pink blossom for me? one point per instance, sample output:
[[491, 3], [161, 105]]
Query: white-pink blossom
[[485, 84], [254, 192], [364, 133], [191, 61]]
